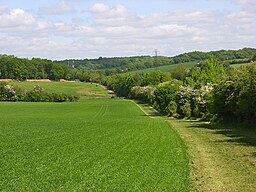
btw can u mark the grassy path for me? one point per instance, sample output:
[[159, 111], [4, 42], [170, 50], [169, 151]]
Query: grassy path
[[222, 159]]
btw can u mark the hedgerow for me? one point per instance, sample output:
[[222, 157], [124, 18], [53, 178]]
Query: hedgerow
[[38, 94]]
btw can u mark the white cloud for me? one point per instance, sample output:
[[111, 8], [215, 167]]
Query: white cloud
[[248, 5], [3, 8], [245, 1], [61, 8], [116, 31], [16, 17], [111, 16], [102, 9]]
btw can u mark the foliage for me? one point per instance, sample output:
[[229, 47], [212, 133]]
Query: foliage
[[20, 69], [14, 93], [235, 100], [116, 65], [179, 72], [144, 94], [165, 97], [119, 64], [222, 55], [79, 89], [122, 84], [211, 90], [210, 72], [254, 58], [193, 102]]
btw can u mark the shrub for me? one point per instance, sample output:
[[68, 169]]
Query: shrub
[[235, 100], [193, 102], [144, 94], [165, 97], [14, 93]]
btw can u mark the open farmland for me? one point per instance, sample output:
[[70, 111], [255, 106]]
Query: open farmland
[[84, 90], [166, 68], [92, 145]]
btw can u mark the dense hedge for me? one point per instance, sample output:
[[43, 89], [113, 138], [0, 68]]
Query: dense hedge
[[211, 91], [235, 99], [14, 93]]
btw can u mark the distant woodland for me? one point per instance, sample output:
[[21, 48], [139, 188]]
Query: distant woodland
[[12, 67]]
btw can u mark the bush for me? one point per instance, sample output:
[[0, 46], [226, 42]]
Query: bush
[[193, 102], [13, 93], [144, 94], [165, 97], [235, 100]]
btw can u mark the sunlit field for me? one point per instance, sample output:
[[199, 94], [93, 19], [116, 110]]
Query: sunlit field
[[91, 145]]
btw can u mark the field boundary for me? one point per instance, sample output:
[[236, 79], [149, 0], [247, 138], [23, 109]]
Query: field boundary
[[147, 109], [221, 159]]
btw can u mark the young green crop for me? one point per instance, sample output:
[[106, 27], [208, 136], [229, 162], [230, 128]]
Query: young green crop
[[92, 145]]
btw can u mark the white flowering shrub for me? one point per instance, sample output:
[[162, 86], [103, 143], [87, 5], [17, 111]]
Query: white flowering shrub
[[14, 93], [7, 92], [144, 94], [193, 102]]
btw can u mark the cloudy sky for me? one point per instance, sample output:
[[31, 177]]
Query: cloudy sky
[[60, 29]]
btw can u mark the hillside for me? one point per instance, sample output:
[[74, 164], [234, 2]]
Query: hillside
[[92, 70], [123, 64]]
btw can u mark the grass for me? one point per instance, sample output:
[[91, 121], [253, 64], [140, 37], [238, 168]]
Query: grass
[[169, 68], [84, 90], [91, 145], [239, 65], [222, 157], [165, 68]]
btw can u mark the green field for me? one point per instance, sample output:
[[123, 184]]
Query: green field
[[169, 68], [84, 90], [91, 145], [239, 65], [165, 68]]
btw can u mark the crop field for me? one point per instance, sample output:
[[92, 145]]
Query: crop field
[[84, 90], [169, 68], [165, 68], [239, 65], [91, 145]]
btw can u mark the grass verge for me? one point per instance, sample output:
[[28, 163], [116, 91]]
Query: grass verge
[[222, 158]]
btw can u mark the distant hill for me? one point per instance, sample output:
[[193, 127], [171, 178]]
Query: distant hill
[[223, 55], [12, 67], [124, 64]]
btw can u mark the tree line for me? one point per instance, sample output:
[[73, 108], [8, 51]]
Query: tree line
[[115, 65], [12, 67]]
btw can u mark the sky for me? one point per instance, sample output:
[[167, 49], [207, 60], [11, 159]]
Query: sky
[[78, 29]]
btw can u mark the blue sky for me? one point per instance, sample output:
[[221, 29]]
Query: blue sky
[[60, 29]]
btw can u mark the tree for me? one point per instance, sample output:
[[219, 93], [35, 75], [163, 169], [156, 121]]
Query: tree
[[165, 97], [56, 72], [253, 58], [179, 72]]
